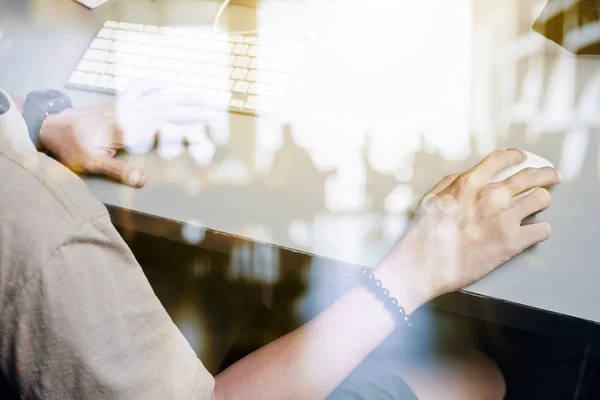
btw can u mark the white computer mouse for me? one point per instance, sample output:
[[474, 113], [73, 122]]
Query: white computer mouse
[[91, 4], [533, 161]]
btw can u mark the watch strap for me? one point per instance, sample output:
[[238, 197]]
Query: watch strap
[[40, 104]]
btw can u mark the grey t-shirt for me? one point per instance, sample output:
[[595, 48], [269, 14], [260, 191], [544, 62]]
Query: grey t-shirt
[[78, 318]]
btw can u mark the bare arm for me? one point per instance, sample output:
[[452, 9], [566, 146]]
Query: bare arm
[[312, 361], [467, 229]]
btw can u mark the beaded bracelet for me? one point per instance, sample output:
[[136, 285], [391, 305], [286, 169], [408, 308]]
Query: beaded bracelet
[[376, 286]]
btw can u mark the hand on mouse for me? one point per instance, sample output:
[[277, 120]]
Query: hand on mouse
[[86, 140], [467, 226]]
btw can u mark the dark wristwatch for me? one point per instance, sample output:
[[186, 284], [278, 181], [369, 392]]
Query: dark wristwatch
[[40, 104]]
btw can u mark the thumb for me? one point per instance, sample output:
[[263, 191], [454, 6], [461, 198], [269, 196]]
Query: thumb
[[119, 170]]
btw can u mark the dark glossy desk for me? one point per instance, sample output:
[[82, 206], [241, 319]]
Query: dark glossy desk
[[432, 95]]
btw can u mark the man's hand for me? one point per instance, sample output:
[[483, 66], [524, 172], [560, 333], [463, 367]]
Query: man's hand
[[467, 226], [86, 141]]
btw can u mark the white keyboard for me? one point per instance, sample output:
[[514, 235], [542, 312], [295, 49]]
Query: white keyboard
[[243, 74]]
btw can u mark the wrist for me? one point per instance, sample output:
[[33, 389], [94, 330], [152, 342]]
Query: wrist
[[403, 274], [52, 127]]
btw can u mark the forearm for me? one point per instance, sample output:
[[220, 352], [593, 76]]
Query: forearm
[[310, 362]]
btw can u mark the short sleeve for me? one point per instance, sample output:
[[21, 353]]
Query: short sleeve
[[89, 326]]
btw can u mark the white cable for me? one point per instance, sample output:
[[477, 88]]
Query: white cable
[[309, 3], [219, 14]]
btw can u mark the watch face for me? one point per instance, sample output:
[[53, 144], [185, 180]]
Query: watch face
[[40, 104], [49, 101]]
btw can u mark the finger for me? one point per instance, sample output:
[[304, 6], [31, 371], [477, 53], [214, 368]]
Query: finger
[[530, 178], [536, 201], [118, 170], [497, 162], [532, 234], [141, 88], [443, 184], [184, 115]]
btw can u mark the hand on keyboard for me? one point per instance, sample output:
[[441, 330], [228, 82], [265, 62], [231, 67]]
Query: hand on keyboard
[[87, 140], [146, 107]]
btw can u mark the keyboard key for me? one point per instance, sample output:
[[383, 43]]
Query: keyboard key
[[183, 79], [144, 74], [111, 24], [183, 66], [213, 36], [126, 59], [124, 25], [168, 76], [146, 38], [151, 28], [274, 78], [146, 50], [263, 89], [236, 39], [172, 52], [124, 47], [289, 55], [112, 57], [111, 70], [223, 72], [251, 106], [90, 79], [105, 33], [288, 44], [125, 71], [287, 67], [197, 44], [77, 78], [137, 27], [222, 98], [268, 52], [207, 96], [240, 86], [239, 73], [217, 47], [180, 89], [183, 42], [119, 84], [101, 44], [196, 68], [154, 74], [197, 80], [223, 84], [96, 55], [132, 36], [103, 81], [210, 82], [119, 34], [220, 59], [252, 51], [140, 61], [241, 61], [92, 66], [237, 103], [251, 40], [240, 49], [210, 70]]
